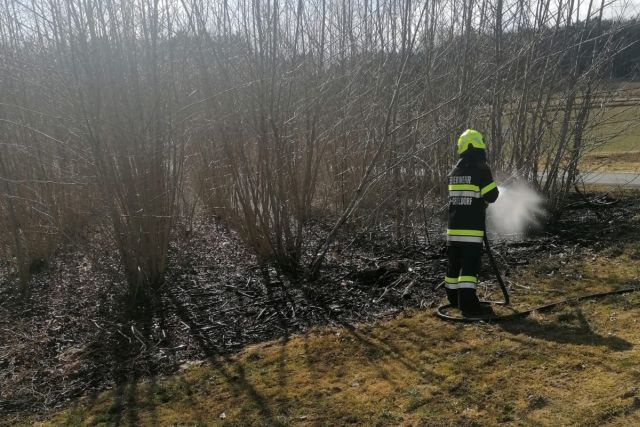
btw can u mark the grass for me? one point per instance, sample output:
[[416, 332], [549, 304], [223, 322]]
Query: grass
[[575, 366], [612, 161], [621, 133], [621, 152], [620, 130]]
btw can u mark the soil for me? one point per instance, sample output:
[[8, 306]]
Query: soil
[[72, 336]]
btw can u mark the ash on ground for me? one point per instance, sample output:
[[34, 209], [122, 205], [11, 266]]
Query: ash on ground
[[73, 337]]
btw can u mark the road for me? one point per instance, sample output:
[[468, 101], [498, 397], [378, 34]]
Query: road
[[624, 179], [618, 179]]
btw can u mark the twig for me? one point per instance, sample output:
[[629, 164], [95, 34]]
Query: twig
[[408, 288]]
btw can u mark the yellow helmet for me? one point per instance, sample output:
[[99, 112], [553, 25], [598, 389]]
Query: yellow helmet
[[472, 138]]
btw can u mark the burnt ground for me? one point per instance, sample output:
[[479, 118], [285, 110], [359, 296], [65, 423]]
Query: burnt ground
[[73, 337]]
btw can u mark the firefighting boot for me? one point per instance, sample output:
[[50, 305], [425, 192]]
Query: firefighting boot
[[470, 306]]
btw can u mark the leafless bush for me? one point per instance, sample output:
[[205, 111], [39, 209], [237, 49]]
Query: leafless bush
[[131, 86], [45, 190], [116, 71], [336, 106], [274, 114]]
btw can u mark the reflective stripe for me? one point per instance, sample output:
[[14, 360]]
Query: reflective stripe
[[488, 188], [473, 194], [467, 282], [450, 282], [478, 233], [464, 239], [461, 285], [463, 187], [465, 285]]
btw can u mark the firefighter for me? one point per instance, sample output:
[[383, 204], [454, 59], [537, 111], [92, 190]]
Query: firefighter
[[471, 189]]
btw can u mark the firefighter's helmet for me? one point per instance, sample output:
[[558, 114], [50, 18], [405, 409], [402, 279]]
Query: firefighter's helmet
[[470, 138]]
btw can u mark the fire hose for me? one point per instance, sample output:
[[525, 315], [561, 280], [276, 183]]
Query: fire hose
[[441, 311]]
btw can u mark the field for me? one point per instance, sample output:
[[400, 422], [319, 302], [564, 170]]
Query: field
[[573, 366], [620, 135]]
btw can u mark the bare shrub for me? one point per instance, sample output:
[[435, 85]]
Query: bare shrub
[[128, 86], [45, 190], [286, 119]]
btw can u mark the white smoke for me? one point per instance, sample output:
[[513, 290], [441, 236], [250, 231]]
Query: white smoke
[[518, 209]]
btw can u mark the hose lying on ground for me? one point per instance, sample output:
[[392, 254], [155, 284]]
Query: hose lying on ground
[[441, 310]]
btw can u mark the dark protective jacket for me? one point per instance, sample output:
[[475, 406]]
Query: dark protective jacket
[[471, 189]]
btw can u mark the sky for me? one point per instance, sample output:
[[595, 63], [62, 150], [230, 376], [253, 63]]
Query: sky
[[626, 8]]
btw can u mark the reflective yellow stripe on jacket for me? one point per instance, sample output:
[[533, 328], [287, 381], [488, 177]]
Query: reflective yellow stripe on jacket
[[488, 188], [463, 187]]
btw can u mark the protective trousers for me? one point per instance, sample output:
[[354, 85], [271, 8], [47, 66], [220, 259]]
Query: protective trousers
[[462, 276]]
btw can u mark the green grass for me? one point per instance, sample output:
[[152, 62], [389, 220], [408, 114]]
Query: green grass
[[621, 130]]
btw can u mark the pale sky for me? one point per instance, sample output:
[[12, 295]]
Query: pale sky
[[626, 8]]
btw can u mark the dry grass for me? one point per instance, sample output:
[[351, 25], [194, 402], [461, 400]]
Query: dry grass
[[619, 130], [574, 366], [612, 161]]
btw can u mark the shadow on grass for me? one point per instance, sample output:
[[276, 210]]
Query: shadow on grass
[[120, 354], [124, 354], [133, 403], [570, 328], [375, 346], [231, 370]]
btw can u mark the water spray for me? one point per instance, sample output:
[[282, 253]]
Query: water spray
[[519, 208]]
